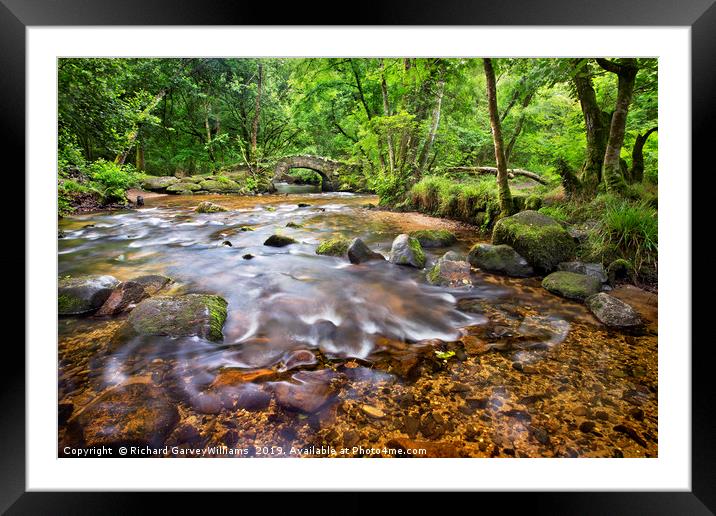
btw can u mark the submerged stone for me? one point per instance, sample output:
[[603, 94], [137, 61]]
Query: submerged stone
[[540, 239], [572, 285], [501, 259], [613, 312], [308, 392], [434, 237], [190, 315], [84, 294], [406, 250], [137, 414], [450, 273]]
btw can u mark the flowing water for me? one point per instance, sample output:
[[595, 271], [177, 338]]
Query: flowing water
[[320, 355]]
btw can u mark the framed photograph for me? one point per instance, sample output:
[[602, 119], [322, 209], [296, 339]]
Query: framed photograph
[[274, 258]]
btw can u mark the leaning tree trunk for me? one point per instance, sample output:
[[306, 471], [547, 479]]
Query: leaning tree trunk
[[132, 136], [596, 123], [386, 112], [504, 194], [612, 170], [433, 126], [518, 127], [636, 173]]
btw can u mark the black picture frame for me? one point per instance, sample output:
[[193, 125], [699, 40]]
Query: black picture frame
[[700, 15]]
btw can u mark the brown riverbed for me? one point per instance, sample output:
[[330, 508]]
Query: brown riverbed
[[323, 358]]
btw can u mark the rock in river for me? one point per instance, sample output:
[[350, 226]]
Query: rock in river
[[308, 391], [333, 247], [572, 285], [158, 183], [540, 239], [406, 250], [84, 294], [153, 283], [200, 315], [123, 298], [209, 207], [279, 241], [501, 259], [359, 252], [136, 414], [590, 269], [613, 312], [450, 273], [434, 237]]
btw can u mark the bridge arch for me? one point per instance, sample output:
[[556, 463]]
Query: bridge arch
[[327, 168]]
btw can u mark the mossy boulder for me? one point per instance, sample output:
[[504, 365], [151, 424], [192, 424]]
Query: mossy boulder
[[137, 414], [620, 269], [533, 202], [450, 273], [158, 183], [333, 247], [500, 259], [84, 294], [190, 315], [209, 207], [123, 298], [590, 269], [540, 239], [359, 252], [180, 188], [279, 241], [613, 312], [219, 184], [406, 250], [572, 285], [434, 237]]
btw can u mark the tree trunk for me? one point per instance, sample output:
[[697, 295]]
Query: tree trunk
[[386, 112], [511, 172], [611, 169], [207, 126], [140, 157], [434, 126], [503, 187], [257, 114], [518, 128], [636, 173], [596, 123], [132, 136]]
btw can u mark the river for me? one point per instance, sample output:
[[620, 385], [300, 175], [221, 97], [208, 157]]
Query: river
[[320, 355]]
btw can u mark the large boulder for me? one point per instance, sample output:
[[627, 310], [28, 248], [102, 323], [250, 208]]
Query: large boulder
[[158, 183], [359, 252], [406, 250], [333, 247], [200, 315], [84, 294], [123, 298], [572, 285], [613, 312], [209, 207], [137, 414], [501, 259], [434, 237], [540, 239], [590, 269], [183, 187], [450, 273], [219, 184]]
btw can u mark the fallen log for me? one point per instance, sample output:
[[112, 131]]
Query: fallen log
[[511, 172]]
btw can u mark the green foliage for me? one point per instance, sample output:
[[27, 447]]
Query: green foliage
[[306, 176], [111, 181]]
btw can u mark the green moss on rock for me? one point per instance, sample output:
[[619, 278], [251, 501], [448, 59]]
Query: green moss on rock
[[333, 247], [180, 188], [533, 202], [209, 207], [572, 285], [540, 239], [279, 241], [434, 237], [407, 250]]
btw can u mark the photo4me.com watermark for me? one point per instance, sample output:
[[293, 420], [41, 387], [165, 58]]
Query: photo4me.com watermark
[[248, 451]]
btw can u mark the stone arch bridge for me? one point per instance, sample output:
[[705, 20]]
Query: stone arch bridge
[[329, 169]]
